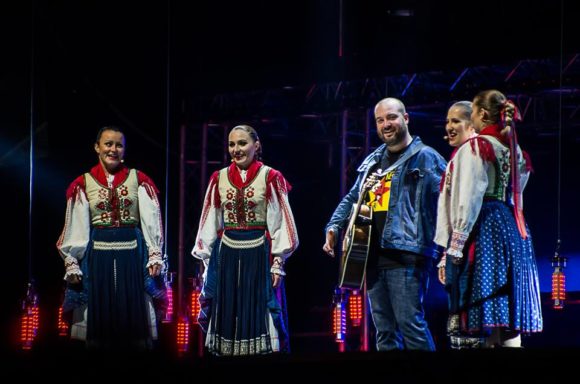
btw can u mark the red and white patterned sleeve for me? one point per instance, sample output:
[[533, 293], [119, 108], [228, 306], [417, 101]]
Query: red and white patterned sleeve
[[468, 183], [74, 238], [151, 220], [210, 222], [280, 220]]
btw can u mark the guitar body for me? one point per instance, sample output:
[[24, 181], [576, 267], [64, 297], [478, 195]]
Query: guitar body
[[355, 249], [357, 239]]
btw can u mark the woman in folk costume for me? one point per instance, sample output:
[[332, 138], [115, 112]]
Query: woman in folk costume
[[490, 267], [111, 245], [246, 232], [459, 129]]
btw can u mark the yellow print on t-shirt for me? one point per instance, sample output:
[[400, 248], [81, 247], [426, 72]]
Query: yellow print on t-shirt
[[380, 194]]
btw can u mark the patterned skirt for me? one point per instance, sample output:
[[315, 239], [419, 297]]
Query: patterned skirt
[[497, 284], [241, 313]]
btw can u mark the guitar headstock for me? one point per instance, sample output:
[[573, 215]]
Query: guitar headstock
[[372, 179]]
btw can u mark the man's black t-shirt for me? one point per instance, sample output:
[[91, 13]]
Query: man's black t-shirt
[[378, 199]]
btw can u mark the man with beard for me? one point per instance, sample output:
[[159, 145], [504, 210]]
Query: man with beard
[[402, 177]]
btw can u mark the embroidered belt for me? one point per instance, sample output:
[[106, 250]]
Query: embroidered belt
[[117, 225], [114, 245], [242, 244]]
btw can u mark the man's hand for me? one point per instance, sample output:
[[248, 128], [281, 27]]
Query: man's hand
[[328, 246]]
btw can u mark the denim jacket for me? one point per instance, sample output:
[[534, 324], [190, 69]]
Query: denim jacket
[[411, 217]]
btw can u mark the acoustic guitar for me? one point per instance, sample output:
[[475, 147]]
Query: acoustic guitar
[[356, 243], [357, 239]]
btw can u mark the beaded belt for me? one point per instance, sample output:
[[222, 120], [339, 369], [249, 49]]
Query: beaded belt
[[242, 244], [114, 245]]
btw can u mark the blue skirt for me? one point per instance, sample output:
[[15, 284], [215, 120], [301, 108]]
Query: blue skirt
[[241, 313], [497, 283], [114, 285]]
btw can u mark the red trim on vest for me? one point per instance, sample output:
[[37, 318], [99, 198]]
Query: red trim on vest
[[236, 179], [98, 172]]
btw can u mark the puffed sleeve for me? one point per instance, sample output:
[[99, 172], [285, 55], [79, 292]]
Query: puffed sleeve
[[461, 199], [74, 238], [151, 221], [280, 220], [210, 223]]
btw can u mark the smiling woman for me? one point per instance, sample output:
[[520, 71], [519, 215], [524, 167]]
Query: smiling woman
[[458, 123], [244, 146], [111, 247], [246, 233], [489, 268], [110, 146]]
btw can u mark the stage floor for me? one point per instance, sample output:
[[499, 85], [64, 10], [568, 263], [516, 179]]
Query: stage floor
[[447, 366]]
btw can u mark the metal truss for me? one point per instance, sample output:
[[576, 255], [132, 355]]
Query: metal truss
[[533, 83], [340, 113]]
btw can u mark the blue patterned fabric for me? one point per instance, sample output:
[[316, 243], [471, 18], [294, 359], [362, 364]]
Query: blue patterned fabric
[[499, 287]]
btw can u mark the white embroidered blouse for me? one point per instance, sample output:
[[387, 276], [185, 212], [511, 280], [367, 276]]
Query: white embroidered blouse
[[480, 169], [79, 216], [253, 201]]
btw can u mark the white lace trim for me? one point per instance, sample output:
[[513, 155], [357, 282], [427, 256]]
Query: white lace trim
[[115, 245], [242, 244]]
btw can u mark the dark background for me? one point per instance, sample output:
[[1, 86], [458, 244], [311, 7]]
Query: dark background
[[69, 67]]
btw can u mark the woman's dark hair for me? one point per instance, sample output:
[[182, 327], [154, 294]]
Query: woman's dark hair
[[500, 110], [108, 128], [493, 101], [253, 134]]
